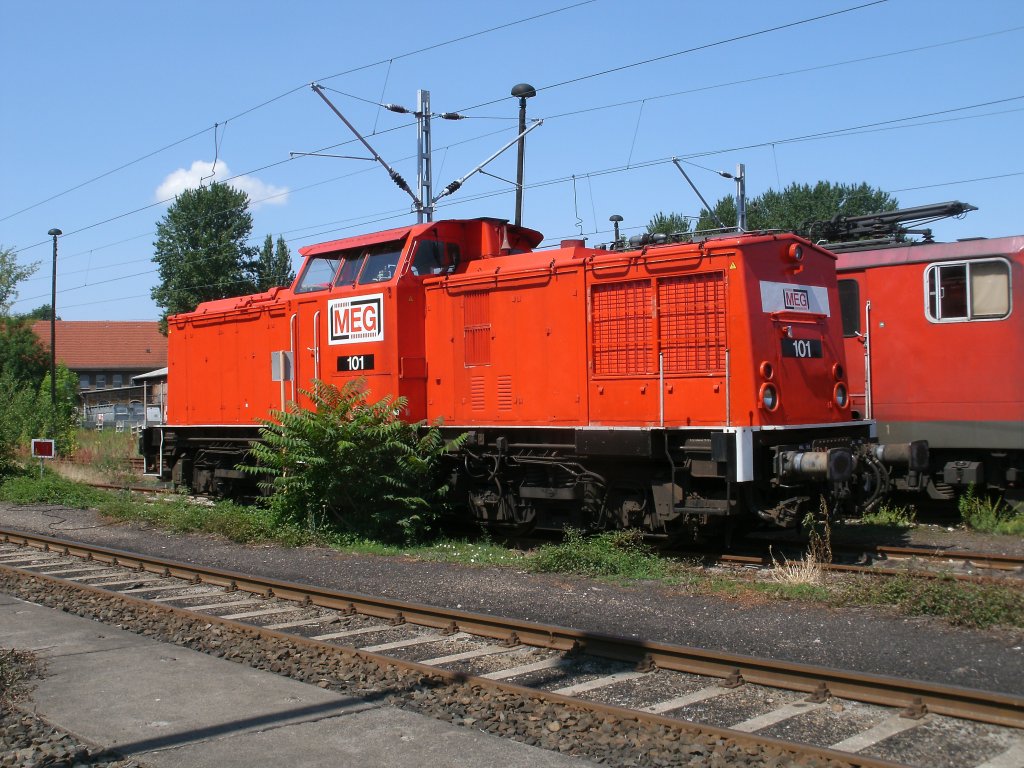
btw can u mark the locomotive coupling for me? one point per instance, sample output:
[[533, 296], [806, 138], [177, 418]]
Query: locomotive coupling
[[913, 456], [834, 465]]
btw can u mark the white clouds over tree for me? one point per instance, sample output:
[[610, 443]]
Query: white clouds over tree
[[259, 192]]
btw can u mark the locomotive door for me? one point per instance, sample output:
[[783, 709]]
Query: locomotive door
[[854, 307], [304, 333]]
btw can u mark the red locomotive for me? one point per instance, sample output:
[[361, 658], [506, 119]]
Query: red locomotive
[[670, 387], [934, 336]]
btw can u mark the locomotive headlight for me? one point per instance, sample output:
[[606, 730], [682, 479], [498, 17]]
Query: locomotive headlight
[[766, 369], [769, 397], [840, 395], [796, 252], [838, 373]]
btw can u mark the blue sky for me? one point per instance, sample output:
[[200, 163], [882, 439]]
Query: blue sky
[[111, 107]]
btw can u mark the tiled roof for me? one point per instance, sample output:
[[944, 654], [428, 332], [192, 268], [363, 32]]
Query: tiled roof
[[106, 344]]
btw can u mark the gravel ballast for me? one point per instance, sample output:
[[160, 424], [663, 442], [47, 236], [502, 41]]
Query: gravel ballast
[[522, 716], [865, 640]]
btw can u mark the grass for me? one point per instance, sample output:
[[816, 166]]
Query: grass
[[961, 604], [616, 555], [619, 556], [990, 515], [892, 517]]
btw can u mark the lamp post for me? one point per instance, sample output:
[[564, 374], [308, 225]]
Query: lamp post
[[54, 233], [523, 91]]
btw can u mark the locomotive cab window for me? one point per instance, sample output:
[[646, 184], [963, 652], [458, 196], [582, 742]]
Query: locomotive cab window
[[380, 264], [849, 307], [317, 275], [964, 291], [433, 257]]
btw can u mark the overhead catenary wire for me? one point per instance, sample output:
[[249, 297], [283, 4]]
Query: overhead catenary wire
[[297, 89], [834, 133], [787, 73]]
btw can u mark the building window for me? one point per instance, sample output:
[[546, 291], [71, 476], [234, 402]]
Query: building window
[[101, 381], [117, 380], [83, 381], [968, 290]]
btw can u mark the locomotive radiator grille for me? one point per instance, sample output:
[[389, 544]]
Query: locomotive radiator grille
[[622, 328], [692, 323]]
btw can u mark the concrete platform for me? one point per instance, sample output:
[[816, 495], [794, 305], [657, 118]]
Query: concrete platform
[[170, 706]]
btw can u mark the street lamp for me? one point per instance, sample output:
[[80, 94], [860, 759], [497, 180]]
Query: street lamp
[[523, 91], [54, 233]]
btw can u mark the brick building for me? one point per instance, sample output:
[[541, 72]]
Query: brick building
[[106, 355]]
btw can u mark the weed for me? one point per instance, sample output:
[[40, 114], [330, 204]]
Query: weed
[[810, 570], [618, 554], [892, 517], [990, 515]]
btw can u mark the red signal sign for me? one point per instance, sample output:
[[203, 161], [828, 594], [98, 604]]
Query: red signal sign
[[43, 448]]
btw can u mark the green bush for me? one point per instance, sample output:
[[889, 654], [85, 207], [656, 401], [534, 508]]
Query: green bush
[[351, 465], [989, 515], [17, 401], [619, 554]]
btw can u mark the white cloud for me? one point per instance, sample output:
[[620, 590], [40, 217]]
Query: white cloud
[[260, 193]]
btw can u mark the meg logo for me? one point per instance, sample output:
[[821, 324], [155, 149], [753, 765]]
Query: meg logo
[[796, 298], [792, 297], [356, 319]]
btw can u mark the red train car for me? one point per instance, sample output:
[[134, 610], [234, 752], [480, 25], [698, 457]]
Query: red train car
[[671, 387], [934, 336]]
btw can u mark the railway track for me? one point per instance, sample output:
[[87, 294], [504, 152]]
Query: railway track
[[859, 719], [883, 561]]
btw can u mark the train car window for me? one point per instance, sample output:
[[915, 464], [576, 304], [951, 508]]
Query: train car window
[[380, 263], [990, 289], [433, 257], [849, 306], [978, 290], [317, 275]]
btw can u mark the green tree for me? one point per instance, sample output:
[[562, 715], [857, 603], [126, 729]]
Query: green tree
[[12, 273], [668, 223], [41, 312], [201, 249], [17, 415], [274, 265], [23, 358], [797, 206]]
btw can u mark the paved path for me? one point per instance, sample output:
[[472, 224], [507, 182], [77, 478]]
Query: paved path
[[170, 706]]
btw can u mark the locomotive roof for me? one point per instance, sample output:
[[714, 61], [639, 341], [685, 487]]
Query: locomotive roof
[[921, 252], [530, 235]]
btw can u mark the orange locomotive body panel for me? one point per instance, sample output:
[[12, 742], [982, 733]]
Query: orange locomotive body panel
[[219, 360], [587, 337]]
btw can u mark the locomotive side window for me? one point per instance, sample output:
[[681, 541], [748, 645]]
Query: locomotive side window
[[963, 291], [317, 275], [433, 257], [849, 307]]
